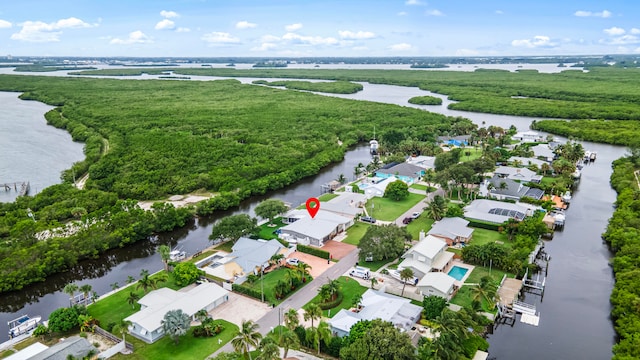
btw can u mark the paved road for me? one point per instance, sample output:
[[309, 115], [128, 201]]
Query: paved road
[[300, 298], [419, 207]]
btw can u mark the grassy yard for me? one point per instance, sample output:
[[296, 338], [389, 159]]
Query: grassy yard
[[270, 280], [473, 154], [423, 223], [484, 236], [189, 346], [419, 187], [266, 231], [349, 288], [375, 265], [356, 232], [389, 210], [464, 296], [327, 197]]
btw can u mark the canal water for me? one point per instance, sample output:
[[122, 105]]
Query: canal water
[[574, 313]]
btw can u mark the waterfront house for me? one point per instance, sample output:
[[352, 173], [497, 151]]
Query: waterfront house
[[496, 212], [302, 229], [507, 189], [347, 204], [525, 161], [543, 151], [428, 255], [438, 284], [74, 347], [459, 140], [404, 171], [453, 230], [246, 257], [529, 136], [146, 324], [517, 174], [376, 304], [425, 162], [376, 186]]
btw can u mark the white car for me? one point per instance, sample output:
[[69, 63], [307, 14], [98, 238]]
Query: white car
[[416, 215], [293, 261]]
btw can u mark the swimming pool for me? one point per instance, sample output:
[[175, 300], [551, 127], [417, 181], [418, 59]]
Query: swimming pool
[[458, 272], [363, 186]]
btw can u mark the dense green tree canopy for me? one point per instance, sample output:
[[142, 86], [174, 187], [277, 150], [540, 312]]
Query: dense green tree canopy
[[186, 273], [65, 319], [381, 342], [233, 227], [397, 190], [270, 208], [383, 242]]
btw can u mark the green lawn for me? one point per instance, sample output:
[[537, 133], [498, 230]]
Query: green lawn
[[188, 348], [423, 223], [389, 210], [225, 246], [270, 279], [375, 265], [327, 197], [464, 296], [484, 236], [473, 154], [419, 187], [349, 288], [115, 307], [266, 231], [356, 232], [203, 255]]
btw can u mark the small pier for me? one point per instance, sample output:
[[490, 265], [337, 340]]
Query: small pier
[[21, 187]]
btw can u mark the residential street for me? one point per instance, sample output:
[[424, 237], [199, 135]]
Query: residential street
[[300, 298]]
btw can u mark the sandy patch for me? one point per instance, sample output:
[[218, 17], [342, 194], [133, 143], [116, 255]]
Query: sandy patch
[[176, 200]]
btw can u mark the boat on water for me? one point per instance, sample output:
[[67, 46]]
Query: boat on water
[[566, 198], [22, 325], [177, 255]]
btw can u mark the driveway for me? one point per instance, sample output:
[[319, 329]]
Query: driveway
[[318, 265], [240, 308], [338, 249]]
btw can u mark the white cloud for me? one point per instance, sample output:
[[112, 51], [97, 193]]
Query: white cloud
[[584, 13], [466, 52], [538, 41], [499, 12], [413, 2], [270, 39], [4, 24], [136, 37], [220, 38], [345, 34], [293, 27], [165, 24], [308, 40], [402, 13], [434, 12], [265, 47], [183, 29], [245, 25], [400, 47], [38, 31], [622, 40], [360, 48], [635, 31], [614, 31], [169, 14]]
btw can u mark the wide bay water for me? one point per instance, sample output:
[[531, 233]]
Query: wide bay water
[[574, 320]]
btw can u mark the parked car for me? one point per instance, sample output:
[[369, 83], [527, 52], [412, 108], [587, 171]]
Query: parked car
[[368, 219], [293, 261], [416, 215], [407, 220], [361, 272]]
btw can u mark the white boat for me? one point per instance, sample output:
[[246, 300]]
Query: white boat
[[373, 147], [22, 325], [566, 198], [177, 255]]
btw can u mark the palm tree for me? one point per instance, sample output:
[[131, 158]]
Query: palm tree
[[325, 293], [130, 279], [312, 312], [374, 282], [334, 287], [341, 179], [324, 334], [545, 168], [144, 272], [486, 290], [85, 289], [405, 275], [357, 170], [289, 340], [291, 319], [70, 289], [303, 268], [176, 323], [357, 301], [165, 255], [122, 327], [248, 336], [132, 299], [437, 208], [147, 282], [276, 259], [114, 286], [86, 322], [202, 315], [269, 349]]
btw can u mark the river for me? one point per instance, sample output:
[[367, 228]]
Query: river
[[574, 320]]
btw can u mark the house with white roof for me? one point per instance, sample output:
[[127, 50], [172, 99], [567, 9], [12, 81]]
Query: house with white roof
[[525, 161], [303, 229], [404, 171], [247, 255], [377, 305], [453, 230], [348, 204], [507, 189], [146, 324], [543, 151], [428, 255], [438, 284], [517, 174], [529, 136], [496, 212], [376, 186], [425, 162]]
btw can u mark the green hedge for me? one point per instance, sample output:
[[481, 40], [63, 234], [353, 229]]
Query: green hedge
[[247, 291], [331, 304], [314, 251], [484, 225]]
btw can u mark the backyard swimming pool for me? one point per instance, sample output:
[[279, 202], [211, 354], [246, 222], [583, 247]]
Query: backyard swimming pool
[[457, 272], [363, 186]]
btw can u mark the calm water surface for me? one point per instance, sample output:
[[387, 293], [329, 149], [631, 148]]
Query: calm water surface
[[574, 320]]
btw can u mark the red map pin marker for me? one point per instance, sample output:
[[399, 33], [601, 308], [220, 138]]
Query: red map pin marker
[[313, 205]]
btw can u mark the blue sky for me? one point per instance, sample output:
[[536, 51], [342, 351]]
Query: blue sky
[[283, 28]]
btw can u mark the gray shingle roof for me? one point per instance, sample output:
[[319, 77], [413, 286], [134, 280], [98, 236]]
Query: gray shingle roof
[[403, 169]]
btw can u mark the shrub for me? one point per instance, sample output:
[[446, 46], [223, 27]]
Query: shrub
[[247, 291], [331, 304], [314, 251]]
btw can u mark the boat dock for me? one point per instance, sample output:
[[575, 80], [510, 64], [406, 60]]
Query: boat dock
[[24, 187]]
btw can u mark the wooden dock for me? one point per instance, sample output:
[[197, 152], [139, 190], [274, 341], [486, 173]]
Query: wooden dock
[[509, 290], [24, 187]]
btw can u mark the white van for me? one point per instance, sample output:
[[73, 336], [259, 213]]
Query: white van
[[361, 272]]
